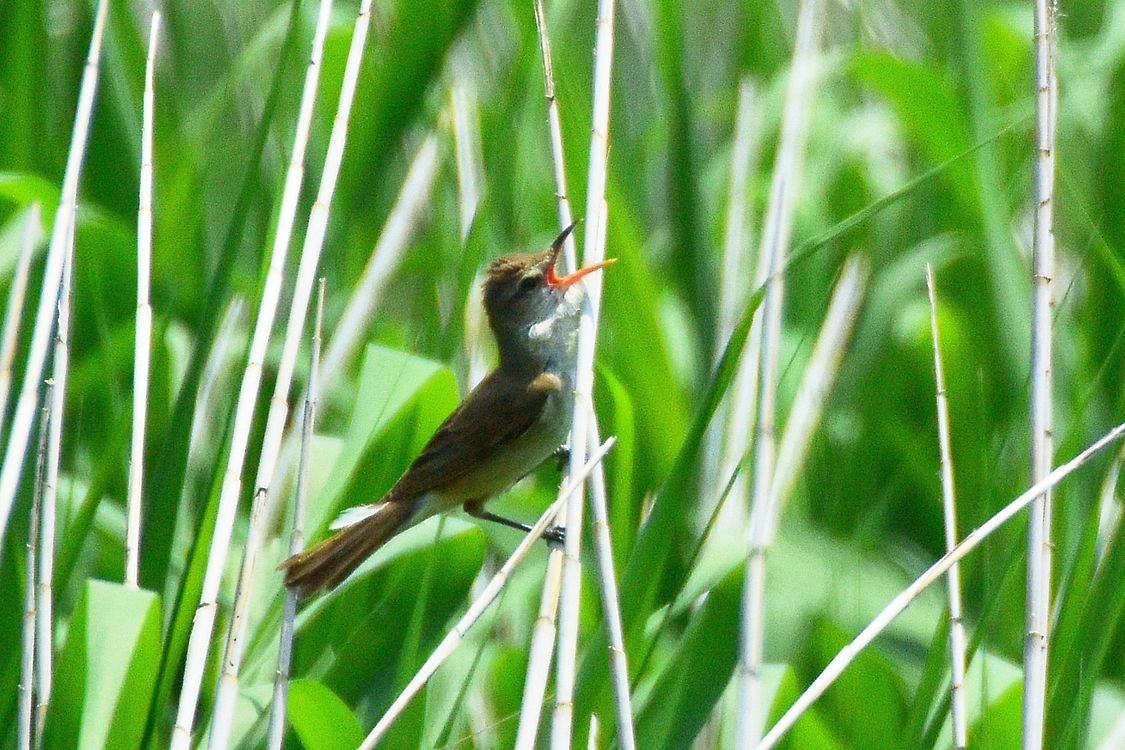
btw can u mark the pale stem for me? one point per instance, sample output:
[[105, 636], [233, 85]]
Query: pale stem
[[932, 574], [276, 731], [204, 422], [1038, 609], [540, 651], [20, 431], [554, 124], [143, 346], [9, 337], [27, 647], [611, 606], [44, 654], [480, 605], [544, 631], [816, 383], [355, 323], [776, 234], [957, 645], [727, 435], [466, 149], [562, 724], [228, 501]]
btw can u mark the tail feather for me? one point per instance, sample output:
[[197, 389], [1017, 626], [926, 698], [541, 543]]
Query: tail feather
[[325, 565]]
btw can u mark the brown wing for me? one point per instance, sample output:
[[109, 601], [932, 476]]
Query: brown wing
[[498, 411]]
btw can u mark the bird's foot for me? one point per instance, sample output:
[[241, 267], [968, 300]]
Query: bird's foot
[[562, 455], [555, 535]]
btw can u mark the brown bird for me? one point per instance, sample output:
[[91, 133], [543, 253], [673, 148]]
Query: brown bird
[[516, 418]]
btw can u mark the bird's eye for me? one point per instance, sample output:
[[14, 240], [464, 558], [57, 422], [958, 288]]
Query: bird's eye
[[527, 283]]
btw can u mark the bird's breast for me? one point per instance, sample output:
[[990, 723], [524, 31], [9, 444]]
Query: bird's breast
[[515, 459]]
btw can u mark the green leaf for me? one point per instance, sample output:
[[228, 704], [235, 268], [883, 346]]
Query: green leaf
[[694, 679], [401, 401], [321, 720], [107, 670], [867, 703]]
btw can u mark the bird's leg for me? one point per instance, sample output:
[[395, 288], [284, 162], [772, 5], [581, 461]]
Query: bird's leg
[[476, 509], [562, 455]]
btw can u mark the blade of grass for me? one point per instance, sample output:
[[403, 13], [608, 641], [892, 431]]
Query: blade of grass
[[27, 652]]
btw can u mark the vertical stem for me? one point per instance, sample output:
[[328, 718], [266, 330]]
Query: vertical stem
[[728, 436], [57, 398], [27, 653], [544, 631], [52, 274], [611, 605], [1038, 609], [596, 217], [227, 694], [554, 125], [14, 311], [354, 324], [297, 538], [465, 145], [143, 346], [540, 651], [957, 645], [775, 241]]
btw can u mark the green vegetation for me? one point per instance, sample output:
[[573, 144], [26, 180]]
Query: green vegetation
[[920, 149]]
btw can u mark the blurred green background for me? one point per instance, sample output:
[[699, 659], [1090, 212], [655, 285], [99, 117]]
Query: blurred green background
[[901, 88]]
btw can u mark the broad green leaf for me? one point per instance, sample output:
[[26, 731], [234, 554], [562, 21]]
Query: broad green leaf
[[320, 719], [107, 670], [694, 679], [867, 703]]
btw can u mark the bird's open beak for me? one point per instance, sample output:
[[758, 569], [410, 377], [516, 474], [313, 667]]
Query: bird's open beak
[[565, 281]]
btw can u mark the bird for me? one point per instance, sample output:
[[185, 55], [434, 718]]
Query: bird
[[517, 417]]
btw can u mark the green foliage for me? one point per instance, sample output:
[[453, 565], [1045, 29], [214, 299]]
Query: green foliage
[[107, 670], [919, 151]]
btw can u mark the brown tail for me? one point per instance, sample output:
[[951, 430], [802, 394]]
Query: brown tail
[[325, 565]]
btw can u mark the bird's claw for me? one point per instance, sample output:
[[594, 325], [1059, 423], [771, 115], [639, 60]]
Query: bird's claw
[[555, 535], [562, 455]]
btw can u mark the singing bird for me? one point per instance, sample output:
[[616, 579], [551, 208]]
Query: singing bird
[[516, 418]]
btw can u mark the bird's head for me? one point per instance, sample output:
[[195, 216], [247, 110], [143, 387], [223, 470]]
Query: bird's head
[[530, 308]]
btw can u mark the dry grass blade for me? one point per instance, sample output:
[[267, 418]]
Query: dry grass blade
[[957, 645], [544, 632], [920, 584], [540, 651], [482, 602], [37, 352], [143, 346]]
